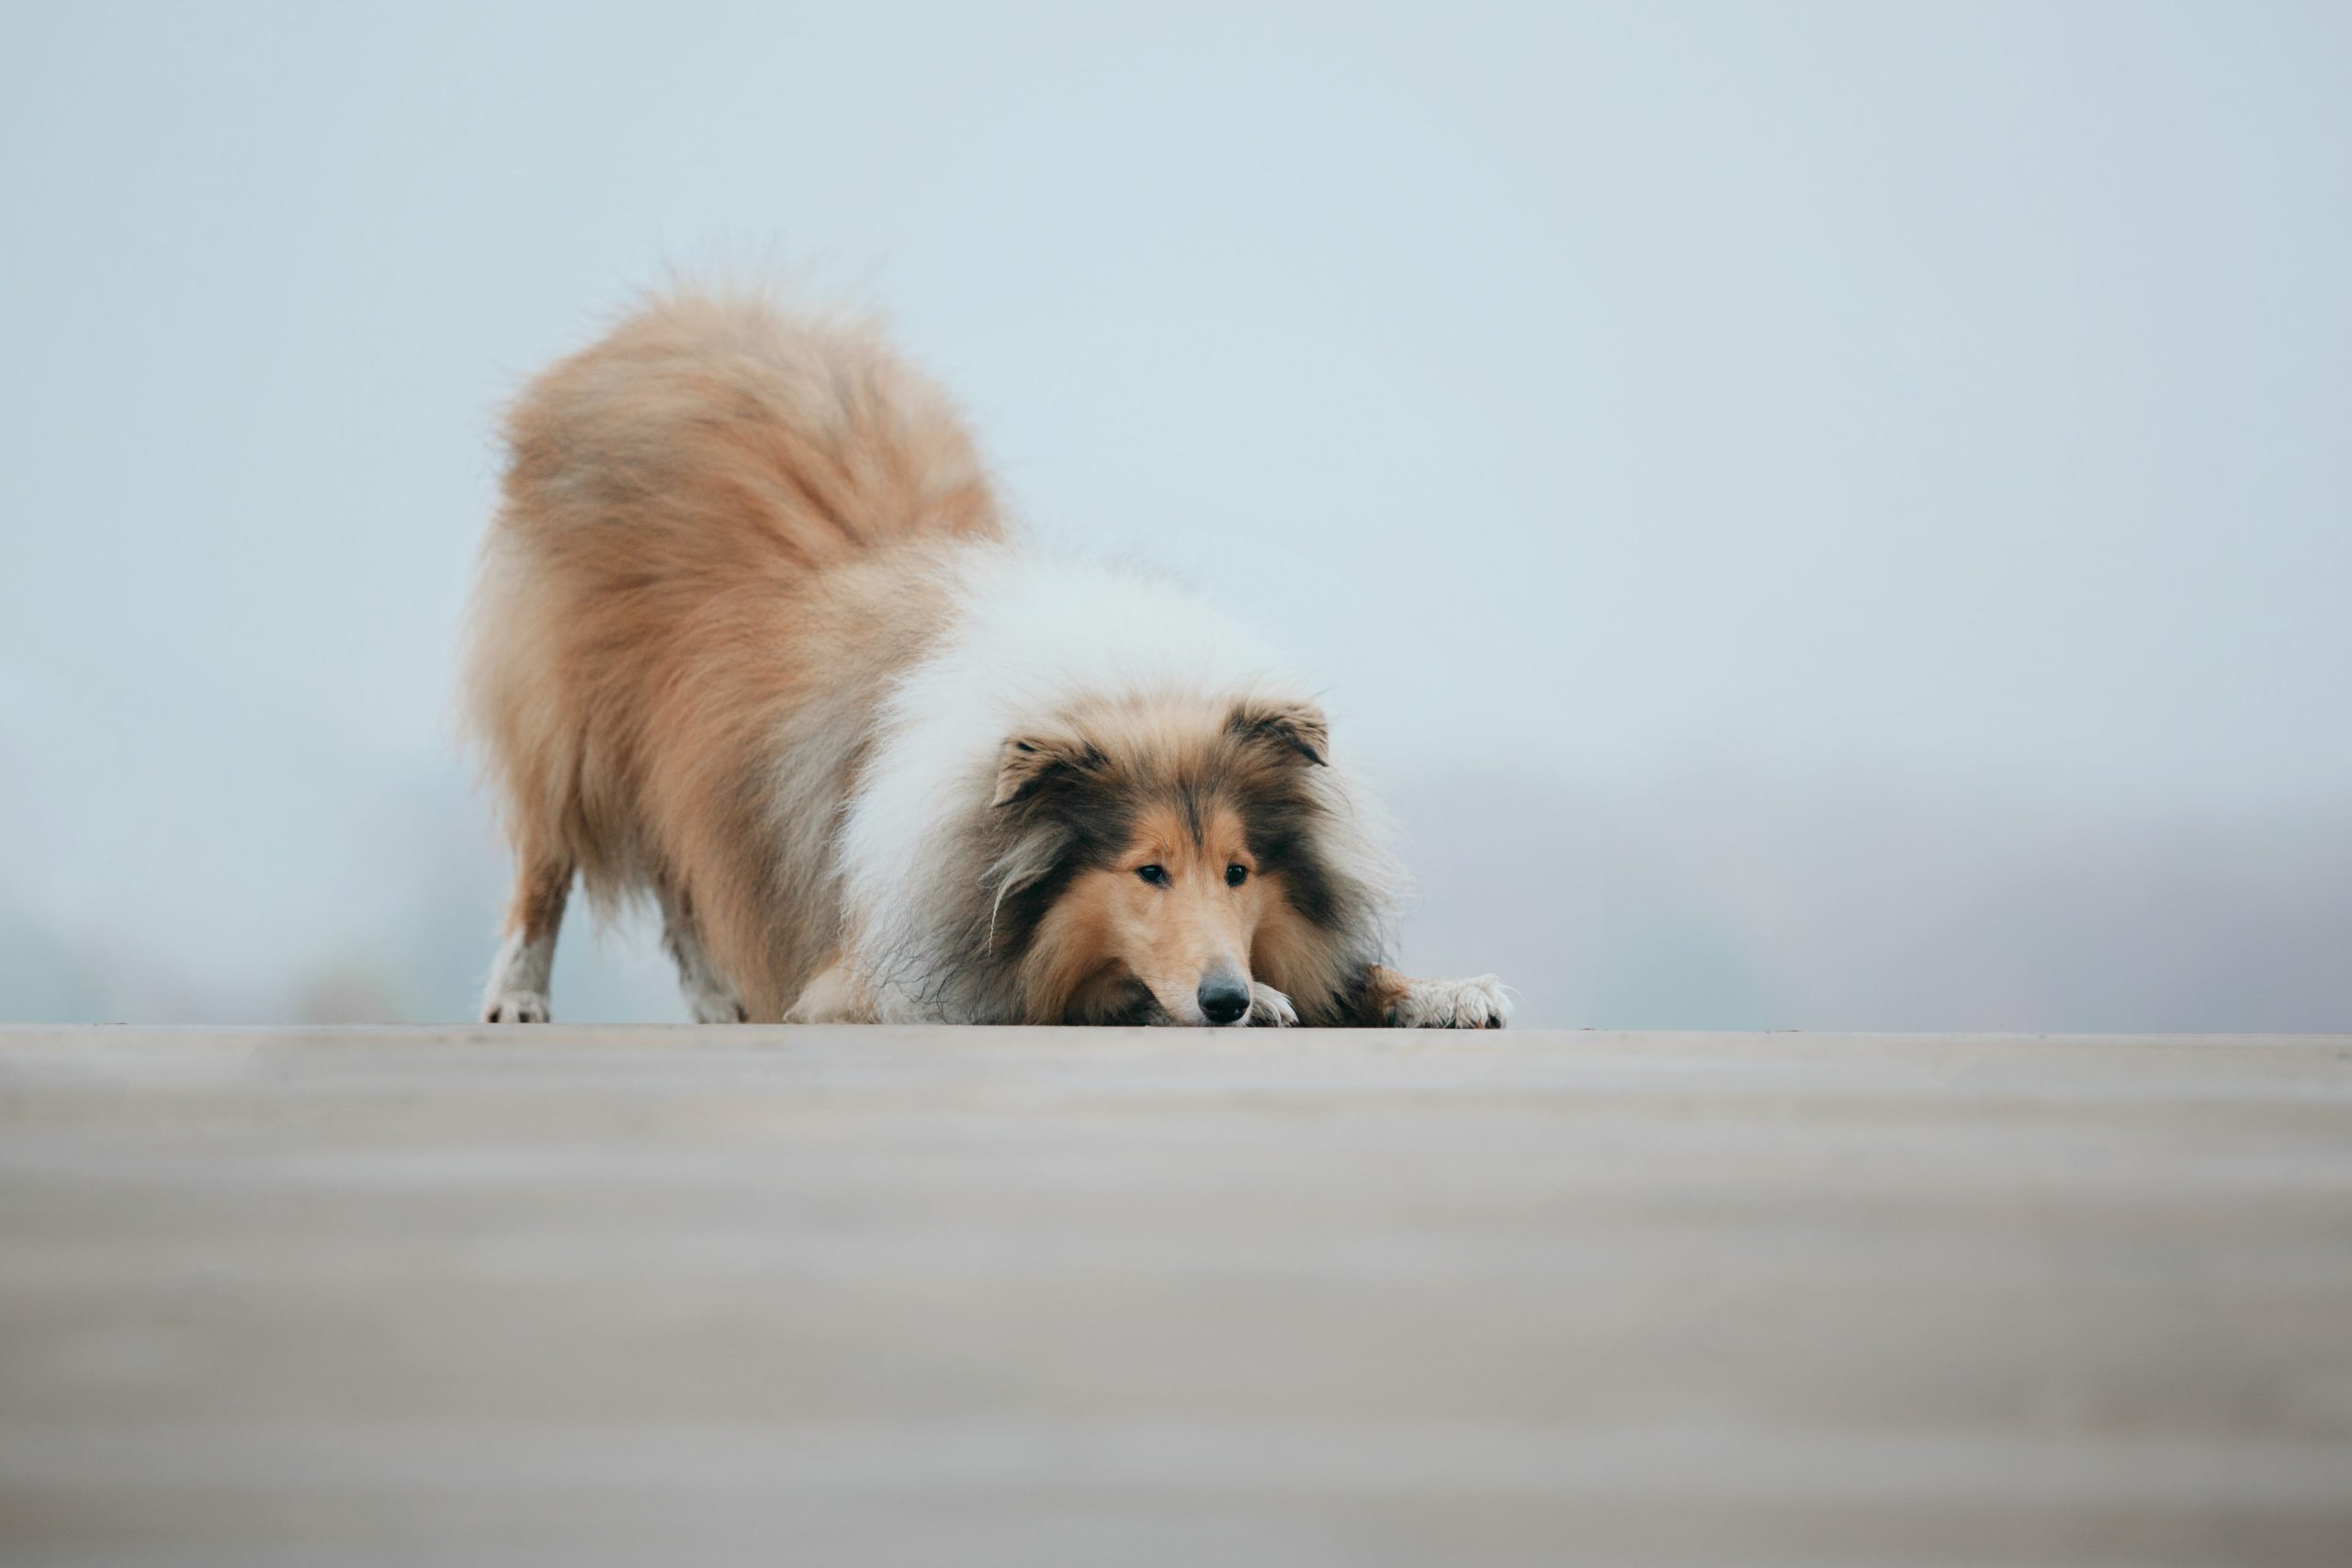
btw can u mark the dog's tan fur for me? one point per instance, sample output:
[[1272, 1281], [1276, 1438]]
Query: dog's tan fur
[[713, 557], [697, 581]]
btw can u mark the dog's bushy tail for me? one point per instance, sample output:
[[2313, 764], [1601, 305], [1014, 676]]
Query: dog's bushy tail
[[715, 427]]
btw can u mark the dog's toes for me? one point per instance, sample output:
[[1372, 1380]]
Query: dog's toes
[[1480, 1002], [1269, 1009], [516, 1007]]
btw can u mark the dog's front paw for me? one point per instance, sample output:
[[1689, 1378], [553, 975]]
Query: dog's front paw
[[710, 1005], [1476, 1003], [516, 1007], [1269, 1009]]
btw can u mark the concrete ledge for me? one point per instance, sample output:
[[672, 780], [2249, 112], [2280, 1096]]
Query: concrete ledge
[[564, 1294]]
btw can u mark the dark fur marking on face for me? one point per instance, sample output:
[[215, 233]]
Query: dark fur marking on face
[[1017, 916], [1306, 883], [1072, 833], [1279, 817], [1070, 798]]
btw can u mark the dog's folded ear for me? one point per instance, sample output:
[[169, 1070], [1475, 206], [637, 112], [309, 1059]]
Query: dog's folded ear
[[1029, 763], [1296, 727]]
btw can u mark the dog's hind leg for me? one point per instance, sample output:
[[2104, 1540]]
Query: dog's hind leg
[[517, 992], [709, 997]]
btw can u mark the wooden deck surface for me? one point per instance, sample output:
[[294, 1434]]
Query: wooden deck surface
[[565, 1296]]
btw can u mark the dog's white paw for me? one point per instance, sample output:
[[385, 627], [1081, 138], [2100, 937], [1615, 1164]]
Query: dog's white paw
[[1478, 1002], [516, 1007], [1269, 1009]]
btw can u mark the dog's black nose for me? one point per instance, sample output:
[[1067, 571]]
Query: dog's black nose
[[1223, 999]]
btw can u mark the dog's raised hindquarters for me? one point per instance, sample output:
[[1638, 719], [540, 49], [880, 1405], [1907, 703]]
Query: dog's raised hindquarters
[[750, 636]]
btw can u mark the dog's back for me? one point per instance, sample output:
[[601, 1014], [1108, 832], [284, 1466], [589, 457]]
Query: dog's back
[[653, 605]]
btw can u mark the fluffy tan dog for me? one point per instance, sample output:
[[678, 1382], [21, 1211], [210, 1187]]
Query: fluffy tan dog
[[752, 634]]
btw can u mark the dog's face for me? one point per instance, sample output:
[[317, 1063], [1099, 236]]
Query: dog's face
[[1165, 846], [1176, 911]]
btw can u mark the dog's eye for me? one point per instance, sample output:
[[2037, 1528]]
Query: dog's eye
[[1235, 876], [1155, 874]]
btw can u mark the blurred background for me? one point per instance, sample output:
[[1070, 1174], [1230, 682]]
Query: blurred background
[[1824, 516]]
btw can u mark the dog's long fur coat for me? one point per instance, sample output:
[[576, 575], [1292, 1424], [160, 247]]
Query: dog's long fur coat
[[752, 634]]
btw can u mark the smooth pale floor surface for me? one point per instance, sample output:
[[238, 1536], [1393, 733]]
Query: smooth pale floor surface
[[567, 1296]]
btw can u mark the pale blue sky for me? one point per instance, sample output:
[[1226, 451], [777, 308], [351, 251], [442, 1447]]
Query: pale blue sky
[[1595, 393]]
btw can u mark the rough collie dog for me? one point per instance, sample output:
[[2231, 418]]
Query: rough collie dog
[[752, 634]]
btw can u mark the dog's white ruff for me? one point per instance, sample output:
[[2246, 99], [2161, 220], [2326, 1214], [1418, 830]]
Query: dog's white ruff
[[1029, 634]]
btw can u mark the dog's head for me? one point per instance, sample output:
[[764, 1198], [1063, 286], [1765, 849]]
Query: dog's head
[[1161, 856]]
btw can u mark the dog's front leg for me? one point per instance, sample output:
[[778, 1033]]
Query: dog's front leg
[[835, 996], [1400, 1001], [1269, 1009]]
